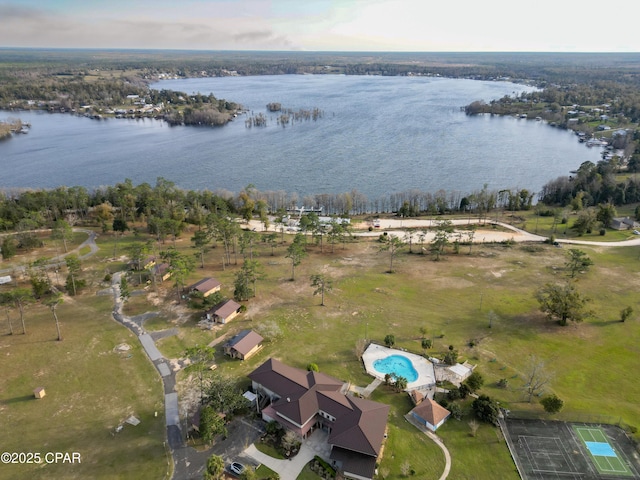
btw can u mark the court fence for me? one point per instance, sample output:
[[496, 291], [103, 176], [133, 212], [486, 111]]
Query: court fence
[[596, 419]]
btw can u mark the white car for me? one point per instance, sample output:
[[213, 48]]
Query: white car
[[236, 468]]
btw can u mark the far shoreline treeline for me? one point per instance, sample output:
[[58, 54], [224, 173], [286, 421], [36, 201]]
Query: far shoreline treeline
[[591, 189], [99, 82]]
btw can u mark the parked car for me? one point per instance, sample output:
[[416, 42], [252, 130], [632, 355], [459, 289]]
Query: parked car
[[236, 468]]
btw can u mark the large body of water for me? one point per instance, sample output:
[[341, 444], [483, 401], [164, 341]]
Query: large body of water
[[379, 135]]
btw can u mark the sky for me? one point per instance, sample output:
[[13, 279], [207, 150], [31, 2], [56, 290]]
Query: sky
[[323, 25]]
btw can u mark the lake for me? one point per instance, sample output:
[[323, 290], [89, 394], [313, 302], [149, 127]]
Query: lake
[[379, 135]]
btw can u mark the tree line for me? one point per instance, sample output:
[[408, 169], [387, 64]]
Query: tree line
[[165, 209]]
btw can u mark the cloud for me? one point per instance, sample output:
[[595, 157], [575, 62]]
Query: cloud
[[30, 27], [10, 13], [262, 37]]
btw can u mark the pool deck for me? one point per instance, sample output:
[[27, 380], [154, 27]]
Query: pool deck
[[426, 373]]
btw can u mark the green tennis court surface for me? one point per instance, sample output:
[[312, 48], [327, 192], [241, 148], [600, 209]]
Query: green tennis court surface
[[602, 454], [551, 450]]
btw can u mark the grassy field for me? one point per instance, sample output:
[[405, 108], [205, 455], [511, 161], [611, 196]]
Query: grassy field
[[90, 388], [451, 299]]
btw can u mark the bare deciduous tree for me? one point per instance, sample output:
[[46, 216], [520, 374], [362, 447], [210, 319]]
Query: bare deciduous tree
[[536, 377], [361, 345], [405, 468], [473, 426]]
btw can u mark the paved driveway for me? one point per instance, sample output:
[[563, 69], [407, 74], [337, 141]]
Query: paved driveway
[[314, 445]]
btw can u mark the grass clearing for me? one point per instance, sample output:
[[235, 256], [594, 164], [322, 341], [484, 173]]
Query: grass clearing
[[451, 299], [308, 474], [90, 390]]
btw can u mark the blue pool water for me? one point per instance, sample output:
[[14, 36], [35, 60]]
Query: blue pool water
[[398, 366], [600, 449]]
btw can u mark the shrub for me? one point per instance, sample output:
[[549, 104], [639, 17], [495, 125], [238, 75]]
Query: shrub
[[602, 232], [390, 340], [451, 357], [313, 367], [464, 390], [274, 428], [485, 409], [502, 383], [456, 411], [552, 403], [328, 468], [626, 313], [474, 382], [9, 247], [454, 394]]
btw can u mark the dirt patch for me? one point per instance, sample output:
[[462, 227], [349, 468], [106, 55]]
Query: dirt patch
[[453, 283], [257, 306], [498, 274]]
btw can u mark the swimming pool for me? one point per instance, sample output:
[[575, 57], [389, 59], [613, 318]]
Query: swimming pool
[[397, 366]]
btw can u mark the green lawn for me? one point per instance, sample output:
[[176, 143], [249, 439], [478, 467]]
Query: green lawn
[[308, 474], [90, 390]]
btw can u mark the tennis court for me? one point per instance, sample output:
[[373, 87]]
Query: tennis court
[[545, 450], [602, 453]]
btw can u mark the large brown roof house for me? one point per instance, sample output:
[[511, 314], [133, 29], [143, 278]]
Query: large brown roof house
[[302, 401]]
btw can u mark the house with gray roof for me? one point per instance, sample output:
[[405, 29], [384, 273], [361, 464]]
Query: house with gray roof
[[624, 223], [303, 401]]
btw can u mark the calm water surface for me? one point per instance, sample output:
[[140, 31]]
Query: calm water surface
[[379, 135]]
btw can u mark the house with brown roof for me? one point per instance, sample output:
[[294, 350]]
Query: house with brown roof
[[243, 345], [303, 401], [430, 414], [162, 271], [223, 312], [206, 286], [143, 264]]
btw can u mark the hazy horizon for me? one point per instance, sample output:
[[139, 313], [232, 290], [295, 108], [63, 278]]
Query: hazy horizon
[[316, 26]]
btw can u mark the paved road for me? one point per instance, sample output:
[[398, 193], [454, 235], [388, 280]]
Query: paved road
[[484, 232], [315, 444], [59, 259], [189, 464]]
